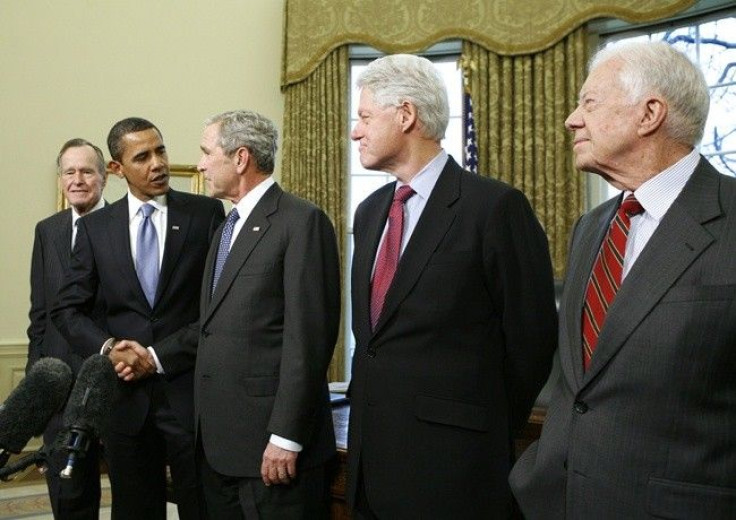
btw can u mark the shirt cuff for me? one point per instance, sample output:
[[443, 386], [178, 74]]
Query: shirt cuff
[[285, 443], [159, 367]]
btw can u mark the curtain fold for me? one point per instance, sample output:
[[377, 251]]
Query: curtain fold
[[520, 104], [315, 154]]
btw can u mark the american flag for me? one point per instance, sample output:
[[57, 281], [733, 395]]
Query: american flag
[[471, 146]]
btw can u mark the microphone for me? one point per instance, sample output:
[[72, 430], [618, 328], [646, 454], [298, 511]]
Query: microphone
[[30, 406], [87, 414]]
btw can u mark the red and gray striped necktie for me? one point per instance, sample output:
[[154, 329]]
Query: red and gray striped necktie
[[388, 254], [605, 278]]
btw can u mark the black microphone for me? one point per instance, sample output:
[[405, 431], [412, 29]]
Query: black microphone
[[87, 414], [30, 406]]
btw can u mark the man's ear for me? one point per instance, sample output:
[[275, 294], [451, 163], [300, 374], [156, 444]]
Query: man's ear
[[653, 116], [116, 168], [407, 116], [241, 158]]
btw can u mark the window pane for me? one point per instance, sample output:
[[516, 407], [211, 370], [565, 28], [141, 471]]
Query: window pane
[[362, 186]]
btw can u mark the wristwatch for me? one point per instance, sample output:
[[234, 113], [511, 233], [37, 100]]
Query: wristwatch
[[107, 347]]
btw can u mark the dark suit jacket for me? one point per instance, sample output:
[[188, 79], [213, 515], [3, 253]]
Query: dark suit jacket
[[102, 262], [462, 347], [265, 338], [50, 259], [649, 431]]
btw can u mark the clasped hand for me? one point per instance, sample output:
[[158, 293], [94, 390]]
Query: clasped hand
[[132, 360]]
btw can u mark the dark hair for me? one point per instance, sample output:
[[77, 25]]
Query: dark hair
[[123, 128], [76, 143]]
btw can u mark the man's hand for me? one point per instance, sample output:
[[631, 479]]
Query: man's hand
[[279, 465], [132, 360]]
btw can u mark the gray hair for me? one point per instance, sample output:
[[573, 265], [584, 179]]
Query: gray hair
[[78, 142], [398, 78], [658, 68], [243, 128]]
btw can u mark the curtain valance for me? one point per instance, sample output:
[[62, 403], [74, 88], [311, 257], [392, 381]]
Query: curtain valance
[[313, 28]]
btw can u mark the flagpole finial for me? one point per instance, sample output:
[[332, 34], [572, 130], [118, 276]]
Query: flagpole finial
[[469, 67]]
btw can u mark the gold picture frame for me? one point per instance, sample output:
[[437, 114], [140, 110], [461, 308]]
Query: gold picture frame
[[184, 177]]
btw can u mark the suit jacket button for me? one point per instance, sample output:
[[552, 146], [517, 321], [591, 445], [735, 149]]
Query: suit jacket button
[[205, 333], [580, 407], [371, 353]]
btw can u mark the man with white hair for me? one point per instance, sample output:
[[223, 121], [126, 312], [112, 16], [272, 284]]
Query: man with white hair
[[642, 420], [453, 313]]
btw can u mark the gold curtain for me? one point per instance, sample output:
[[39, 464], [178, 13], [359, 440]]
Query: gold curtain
[[314, 164], [314, 28], [520, 104]]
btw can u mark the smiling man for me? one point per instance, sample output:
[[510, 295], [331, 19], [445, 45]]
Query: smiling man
[[144, 257], [453, 313], [81, 169]]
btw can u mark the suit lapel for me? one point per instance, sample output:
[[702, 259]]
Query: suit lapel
[[177, 222], [63, 239], [365, 256], [431, 228], [576, 282], [254, 229], [119, 245], [678, 241]]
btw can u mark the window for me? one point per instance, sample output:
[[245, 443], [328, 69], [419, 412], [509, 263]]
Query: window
[[362, 182], [710, 41]]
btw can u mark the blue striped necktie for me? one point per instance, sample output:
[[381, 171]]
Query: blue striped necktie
[[224, 249], [146, 255]]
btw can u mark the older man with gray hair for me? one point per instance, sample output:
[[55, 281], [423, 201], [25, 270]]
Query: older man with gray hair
[[642, 420], [453, 313]]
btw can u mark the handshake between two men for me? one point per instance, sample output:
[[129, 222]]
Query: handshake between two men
[[132, 360]]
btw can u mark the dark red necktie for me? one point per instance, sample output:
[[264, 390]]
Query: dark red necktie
[[388, 255], [606, 276]]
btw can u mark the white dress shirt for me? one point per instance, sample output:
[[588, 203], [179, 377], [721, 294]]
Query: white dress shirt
[[76, 216], [656, 196], [422, 183]]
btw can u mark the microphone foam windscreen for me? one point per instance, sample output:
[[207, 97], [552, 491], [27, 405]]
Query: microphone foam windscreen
[[90, 403], [30, 406]]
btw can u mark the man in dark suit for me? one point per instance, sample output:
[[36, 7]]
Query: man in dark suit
[[82, 177], [453, 346], [152, 422], [270, 309], [642, 421]]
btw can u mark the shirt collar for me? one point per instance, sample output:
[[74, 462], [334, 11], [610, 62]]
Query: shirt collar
[[423, 182], [249, 201], [658, 193], [76, 216], [134, 204]]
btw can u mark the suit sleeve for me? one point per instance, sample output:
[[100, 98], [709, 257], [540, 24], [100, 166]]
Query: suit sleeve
[[37, 314], [519, 257], [177, 353], [75, 303], [311, 318]]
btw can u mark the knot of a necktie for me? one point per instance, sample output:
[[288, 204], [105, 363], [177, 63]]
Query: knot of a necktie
[[147, 210], [631, 206], [403, 194]]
